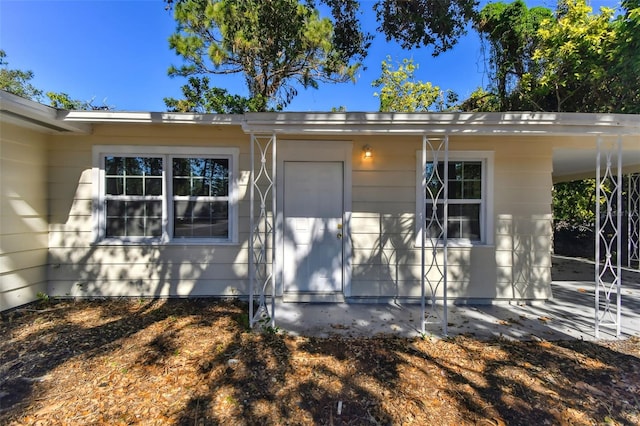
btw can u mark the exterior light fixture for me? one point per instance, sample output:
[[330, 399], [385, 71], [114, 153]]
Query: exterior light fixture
[[367, 153]]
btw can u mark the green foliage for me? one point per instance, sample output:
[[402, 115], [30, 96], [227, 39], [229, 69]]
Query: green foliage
[[44, 297], [399, 92], [574, 202], [418, 23], [511, 33], [575, 56], [17, 81], [63, 101], [481, 100], [572, 60], [277, 45], [199, 97]]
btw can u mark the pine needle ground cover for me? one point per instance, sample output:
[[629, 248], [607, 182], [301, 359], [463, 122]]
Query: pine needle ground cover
[[193, 362]]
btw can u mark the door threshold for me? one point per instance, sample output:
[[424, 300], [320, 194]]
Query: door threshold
[[313, 297]]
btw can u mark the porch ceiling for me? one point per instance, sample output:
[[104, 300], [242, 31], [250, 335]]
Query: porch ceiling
[[572, 164]]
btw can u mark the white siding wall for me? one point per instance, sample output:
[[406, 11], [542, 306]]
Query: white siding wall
[[23, 215], [78, 267], [386, 261], [386, 258]]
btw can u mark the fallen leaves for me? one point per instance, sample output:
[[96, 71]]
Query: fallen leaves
[[192, 362]]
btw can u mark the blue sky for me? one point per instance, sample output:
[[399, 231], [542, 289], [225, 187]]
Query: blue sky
[[117, 50]]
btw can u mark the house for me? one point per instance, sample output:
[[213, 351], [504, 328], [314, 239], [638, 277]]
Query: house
[[320, 207]]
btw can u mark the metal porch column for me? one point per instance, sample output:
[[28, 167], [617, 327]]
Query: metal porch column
[[435, 177], [608, 235], [262, 192], [633, 221]]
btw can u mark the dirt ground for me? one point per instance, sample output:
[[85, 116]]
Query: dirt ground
[[193, 362]]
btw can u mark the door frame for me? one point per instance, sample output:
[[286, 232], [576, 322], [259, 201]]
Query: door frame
[[311, 151]]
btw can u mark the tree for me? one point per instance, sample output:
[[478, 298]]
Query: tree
[[576, 61], [399, 92], [511, 31], [63, 101], [572, 60], [416, 23], [17, 81], [199, 97], [282, 45], [277, 45], [627, 51]]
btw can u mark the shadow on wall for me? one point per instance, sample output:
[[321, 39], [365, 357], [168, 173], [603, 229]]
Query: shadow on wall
[[523, 250], [79, 267]]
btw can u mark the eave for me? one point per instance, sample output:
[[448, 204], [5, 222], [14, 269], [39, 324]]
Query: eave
[[26, 113], [508, 123]]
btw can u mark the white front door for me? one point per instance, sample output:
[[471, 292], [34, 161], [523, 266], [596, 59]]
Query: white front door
[[313, 244]]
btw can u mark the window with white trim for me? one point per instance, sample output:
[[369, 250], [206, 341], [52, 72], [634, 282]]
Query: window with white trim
[[165, 194], [469, 206]]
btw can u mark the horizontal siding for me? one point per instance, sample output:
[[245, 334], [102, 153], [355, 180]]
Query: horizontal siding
[[23, 278], [142, 287], [23, 215], [386, 261], [79, 267], [19, 260]]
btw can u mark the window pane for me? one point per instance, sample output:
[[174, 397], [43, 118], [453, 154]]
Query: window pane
[[115, 186], [201, 219], [199, 187], [114, 165], [181, 186], [153, 186], [143, 166], [133, 218], [455, 170], [455, 190], [434, 178], [472, 170], [115, 227], [133, 175], [201, 177], [133, 186], [463, 221], [472, 190]]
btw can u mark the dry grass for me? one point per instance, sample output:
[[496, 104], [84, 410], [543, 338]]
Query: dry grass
[[193, 362]]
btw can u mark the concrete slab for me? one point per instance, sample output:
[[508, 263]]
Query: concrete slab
[[570, 315]]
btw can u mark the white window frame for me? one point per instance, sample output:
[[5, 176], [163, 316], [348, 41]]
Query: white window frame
[[486, 204], [167, 153]]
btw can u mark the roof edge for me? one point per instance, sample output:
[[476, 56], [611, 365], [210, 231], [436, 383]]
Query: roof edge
[[28, 113], [150, 117], [494, 123]]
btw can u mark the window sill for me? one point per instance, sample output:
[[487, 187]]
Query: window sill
[[459, 244], [107, 243]]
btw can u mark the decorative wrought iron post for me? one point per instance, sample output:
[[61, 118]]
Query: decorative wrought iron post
[[608, 235], [262, 189], [435, 177], [633, 221]]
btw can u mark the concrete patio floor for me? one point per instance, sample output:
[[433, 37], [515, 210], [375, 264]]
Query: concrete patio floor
[[570, 315]]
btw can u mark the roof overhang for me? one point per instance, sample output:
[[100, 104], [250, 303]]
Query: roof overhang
[[121, 117], [508, 123], [26, 113], [568, 162]]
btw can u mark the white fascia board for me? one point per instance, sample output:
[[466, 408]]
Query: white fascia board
[[151, 117], [28, 113], [509, 123]]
